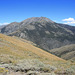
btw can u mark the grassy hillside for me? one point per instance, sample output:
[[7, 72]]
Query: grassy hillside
[[65, 52], [15, 48], [23, 56]]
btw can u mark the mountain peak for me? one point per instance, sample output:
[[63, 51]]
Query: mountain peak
[[14, 23], [37, 19]]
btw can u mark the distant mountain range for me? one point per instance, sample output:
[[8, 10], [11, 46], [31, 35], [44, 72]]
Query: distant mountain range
[[42, 31]]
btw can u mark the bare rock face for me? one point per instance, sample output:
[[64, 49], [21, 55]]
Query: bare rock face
[[42, 31]]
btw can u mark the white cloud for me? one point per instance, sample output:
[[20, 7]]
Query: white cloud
[[4, 23], [69, 21]]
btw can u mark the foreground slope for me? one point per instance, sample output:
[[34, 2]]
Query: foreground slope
[[14, 48], [42, 31], [19, 55], [65, 52]]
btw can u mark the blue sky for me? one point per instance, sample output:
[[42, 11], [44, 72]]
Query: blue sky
[[61, 11]]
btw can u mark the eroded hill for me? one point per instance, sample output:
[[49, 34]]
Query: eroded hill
[[65, 52]]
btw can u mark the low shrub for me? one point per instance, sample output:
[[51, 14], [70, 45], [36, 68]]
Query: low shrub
[[3, 70], [44, 69], [71, 69]]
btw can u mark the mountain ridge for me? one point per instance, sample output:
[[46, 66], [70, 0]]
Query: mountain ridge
[[43, 32]]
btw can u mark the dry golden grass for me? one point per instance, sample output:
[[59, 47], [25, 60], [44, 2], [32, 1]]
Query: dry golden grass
[[13, 49]]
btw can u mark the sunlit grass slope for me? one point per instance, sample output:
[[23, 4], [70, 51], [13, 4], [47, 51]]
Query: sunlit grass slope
[[12, 49]]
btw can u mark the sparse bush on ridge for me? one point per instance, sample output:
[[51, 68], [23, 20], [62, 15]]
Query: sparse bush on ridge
[[34, 66], [30, 65], [44, 69], [71, 69], [67, 71]]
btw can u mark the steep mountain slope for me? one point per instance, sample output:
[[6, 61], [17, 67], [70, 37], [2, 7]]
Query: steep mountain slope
[[42, 31], [10, 28], [65, 52], [72, 28]]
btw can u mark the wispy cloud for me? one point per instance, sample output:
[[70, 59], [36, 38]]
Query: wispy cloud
[[4, 23], [69, 21]]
